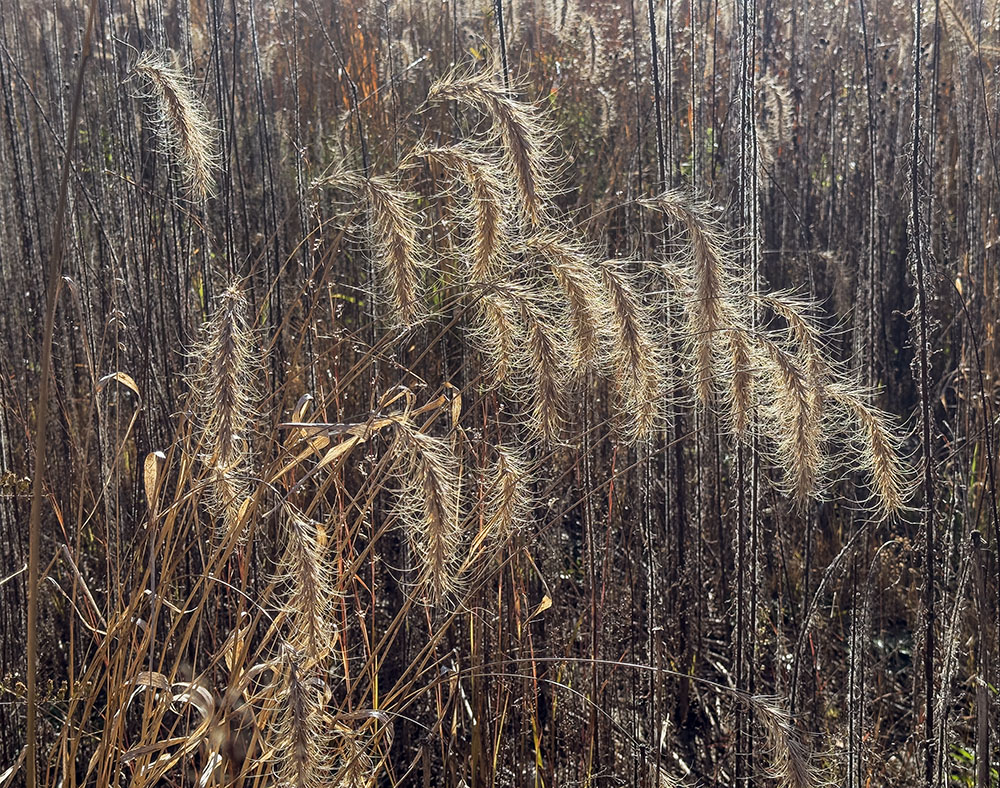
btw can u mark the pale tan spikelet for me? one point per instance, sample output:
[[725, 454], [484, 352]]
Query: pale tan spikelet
[[301, 752], [524, 340], [788, 762], [608, 112], [181, 121], [973, 41], [393, 230], [799, 428], [496, 333], [796, 312], [639, 371], [489, 243], [877, 449], [595, 41], [229, 490], [357, 767], [428, 503], [509, 498], [490, 240], [564, 16], [520, 129], [573, 270], [659, 777], [707, 309], [676, 276], [305, 571], [395, 66], [225, 386], [588, 31], [541, 362], [780, 106], [724, 21], [775, 126], [546, 366]]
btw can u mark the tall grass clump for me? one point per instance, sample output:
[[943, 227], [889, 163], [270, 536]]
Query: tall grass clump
[[407, 414]]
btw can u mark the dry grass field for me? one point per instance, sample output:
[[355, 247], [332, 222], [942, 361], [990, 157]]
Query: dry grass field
[[526, 393]]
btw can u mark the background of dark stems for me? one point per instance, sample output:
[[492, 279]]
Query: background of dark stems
[[578, 653]]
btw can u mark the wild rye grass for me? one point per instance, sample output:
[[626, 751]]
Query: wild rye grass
[[424, 417]]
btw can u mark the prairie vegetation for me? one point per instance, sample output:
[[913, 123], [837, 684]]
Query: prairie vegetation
[[524, 393]]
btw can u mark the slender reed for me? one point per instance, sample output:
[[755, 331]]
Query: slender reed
[[53, 284]]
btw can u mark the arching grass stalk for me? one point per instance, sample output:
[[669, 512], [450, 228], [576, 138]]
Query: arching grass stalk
[[53, 284]]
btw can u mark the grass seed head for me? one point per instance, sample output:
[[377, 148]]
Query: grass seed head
[[181, 120]]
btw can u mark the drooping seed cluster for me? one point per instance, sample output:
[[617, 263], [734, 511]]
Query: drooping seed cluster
[[779, 382], [548, 316], [546, 311], [181, 121]]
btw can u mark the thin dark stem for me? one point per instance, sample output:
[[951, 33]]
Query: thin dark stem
[[916, 247], [655, 64], [871, 282], [502, 35]]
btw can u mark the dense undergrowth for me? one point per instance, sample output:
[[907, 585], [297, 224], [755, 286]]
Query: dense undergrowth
[[498, 394]]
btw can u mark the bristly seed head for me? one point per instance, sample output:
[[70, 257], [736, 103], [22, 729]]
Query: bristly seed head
[[225, 386], [428, 503], [181, 121], [519, 127], [393, 230]]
